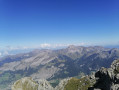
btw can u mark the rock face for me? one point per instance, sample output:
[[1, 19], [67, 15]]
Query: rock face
[[44, 85], [25, 84], [107, 79], [62, 84], [28, 84]]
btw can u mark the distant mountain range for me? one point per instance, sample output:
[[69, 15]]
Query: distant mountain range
[[7, 52], [55, 64]]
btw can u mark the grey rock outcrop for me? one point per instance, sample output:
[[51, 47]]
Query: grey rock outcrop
[[62, 84], [27, 83], [107, 79], [44, 85]]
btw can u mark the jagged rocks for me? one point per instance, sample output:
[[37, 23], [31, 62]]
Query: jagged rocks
[[44, 85], [62, 84], [107, 79], [115, 66], [25, 84], [28, 84]]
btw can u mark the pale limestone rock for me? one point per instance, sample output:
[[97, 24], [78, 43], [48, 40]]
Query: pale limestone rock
[[25, 84], [62, 84]]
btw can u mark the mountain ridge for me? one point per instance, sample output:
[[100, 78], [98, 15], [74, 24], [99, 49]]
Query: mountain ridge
[[57, 64]]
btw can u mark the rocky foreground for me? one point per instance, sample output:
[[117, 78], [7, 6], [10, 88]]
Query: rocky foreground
[[104, 79]]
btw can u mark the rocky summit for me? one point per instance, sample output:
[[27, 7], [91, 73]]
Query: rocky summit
[[25, 84], [103, 79], [107, 79], [28, 83]]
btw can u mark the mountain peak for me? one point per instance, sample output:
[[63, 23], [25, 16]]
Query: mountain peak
[[71, 46]]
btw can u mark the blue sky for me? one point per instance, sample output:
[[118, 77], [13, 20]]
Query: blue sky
[[35, 22]]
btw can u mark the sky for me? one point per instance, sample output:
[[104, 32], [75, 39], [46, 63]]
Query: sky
[[46, 23]]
